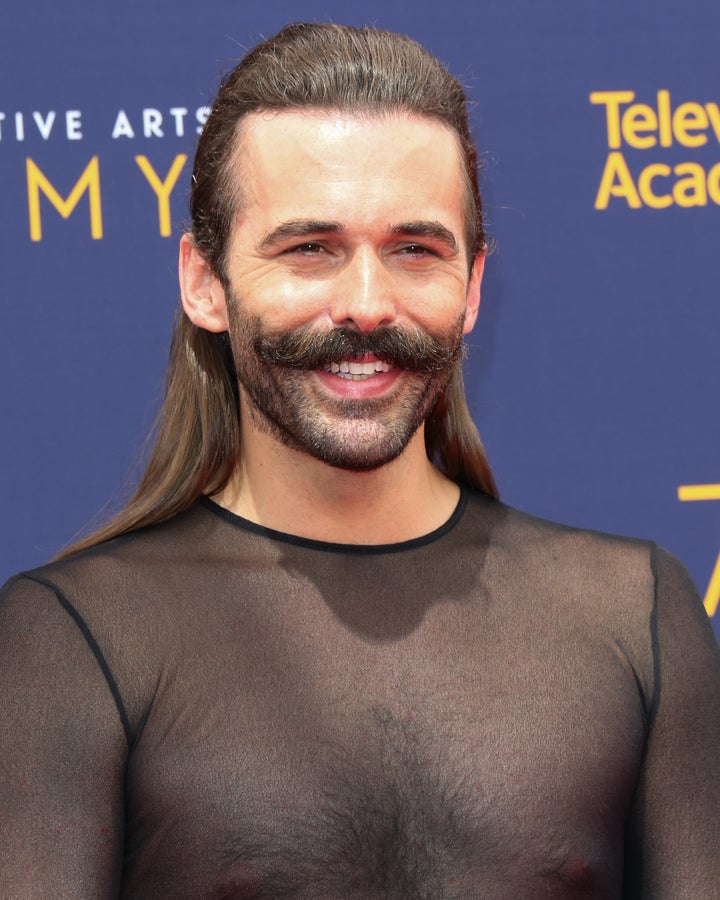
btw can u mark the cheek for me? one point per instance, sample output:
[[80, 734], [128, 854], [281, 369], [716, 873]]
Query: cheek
[[438, 308], [297, 296], [277, 297]]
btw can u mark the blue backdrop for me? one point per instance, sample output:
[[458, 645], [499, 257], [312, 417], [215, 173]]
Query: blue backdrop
[[593, 373]]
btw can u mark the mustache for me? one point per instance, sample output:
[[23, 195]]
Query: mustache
[[412, 349]]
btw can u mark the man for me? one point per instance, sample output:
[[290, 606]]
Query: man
[[315, 657]]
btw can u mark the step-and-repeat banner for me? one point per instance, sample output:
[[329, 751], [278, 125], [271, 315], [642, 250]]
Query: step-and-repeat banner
[[594, 371]]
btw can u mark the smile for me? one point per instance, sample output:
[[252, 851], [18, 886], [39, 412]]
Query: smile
[[357, 371]]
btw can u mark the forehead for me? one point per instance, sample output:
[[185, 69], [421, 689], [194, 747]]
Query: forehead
[[331, 164]]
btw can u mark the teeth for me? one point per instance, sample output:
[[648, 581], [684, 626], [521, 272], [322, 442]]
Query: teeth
[[357, 370]]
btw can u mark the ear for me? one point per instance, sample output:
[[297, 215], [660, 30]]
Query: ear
[[203, 297], [472, 304]]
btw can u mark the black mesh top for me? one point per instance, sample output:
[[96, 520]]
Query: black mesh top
[[503, 709]]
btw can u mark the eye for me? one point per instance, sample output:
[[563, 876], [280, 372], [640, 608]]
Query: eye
[[309, 248], [417, 250]]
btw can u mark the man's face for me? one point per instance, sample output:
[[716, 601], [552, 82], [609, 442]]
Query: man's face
[[348, 280]]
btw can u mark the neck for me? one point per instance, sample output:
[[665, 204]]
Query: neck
[[292, 492]]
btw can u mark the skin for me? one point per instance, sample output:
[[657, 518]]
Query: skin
[[327, 236]]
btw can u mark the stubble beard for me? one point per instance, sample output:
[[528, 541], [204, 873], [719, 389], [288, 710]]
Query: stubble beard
[[275, 375]]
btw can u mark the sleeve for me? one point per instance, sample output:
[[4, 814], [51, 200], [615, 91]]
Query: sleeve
[[63, 752], [673, 836]]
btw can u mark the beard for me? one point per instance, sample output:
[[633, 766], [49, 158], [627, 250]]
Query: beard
[[275, 374]]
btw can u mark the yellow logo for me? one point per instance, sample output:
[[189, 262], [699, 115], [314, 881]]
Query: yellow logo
[[642, 127], [687, 492], [89, 181]]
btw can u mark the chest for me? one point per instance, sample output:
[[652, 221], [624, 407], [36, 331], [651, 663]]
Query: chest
[[317, 764]]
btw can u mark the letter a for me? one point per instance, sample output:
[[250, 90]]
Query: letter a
[[616, 168]]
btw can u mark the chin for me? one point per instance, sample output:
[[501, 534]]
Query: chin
[[365, 463]]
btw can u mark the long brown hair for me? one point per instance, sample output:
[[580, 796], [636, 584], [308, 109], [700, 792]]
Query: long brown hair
[[358, 70]]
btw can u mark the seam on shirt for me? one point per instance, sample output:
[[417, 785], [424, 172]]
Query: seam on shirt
[[94, 647], [645, 700], [654, 634]]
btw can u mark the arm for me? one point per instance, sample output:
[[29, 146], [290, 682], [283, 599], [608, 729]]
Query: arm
[[62, 755], [673, 838]]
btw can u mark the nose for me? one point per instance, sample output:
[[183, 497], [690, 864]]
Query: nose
[[364, 295]]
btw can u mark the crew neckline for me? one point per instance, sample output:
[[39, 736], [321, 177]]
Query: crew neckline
[[332, 547]]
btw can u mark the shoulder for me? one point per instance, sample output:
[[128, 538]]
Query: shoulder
[[124, 559], [121, 601], [585, 567], [555, 546]]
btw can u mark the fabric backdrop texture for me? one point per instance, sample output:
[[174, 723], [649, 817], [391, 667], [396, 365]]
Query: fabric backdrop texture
[[593, 372]]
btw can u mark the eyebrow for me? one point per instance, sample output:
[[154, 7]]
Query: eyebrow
[[303, 228], [434, 230], [297, 228]]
